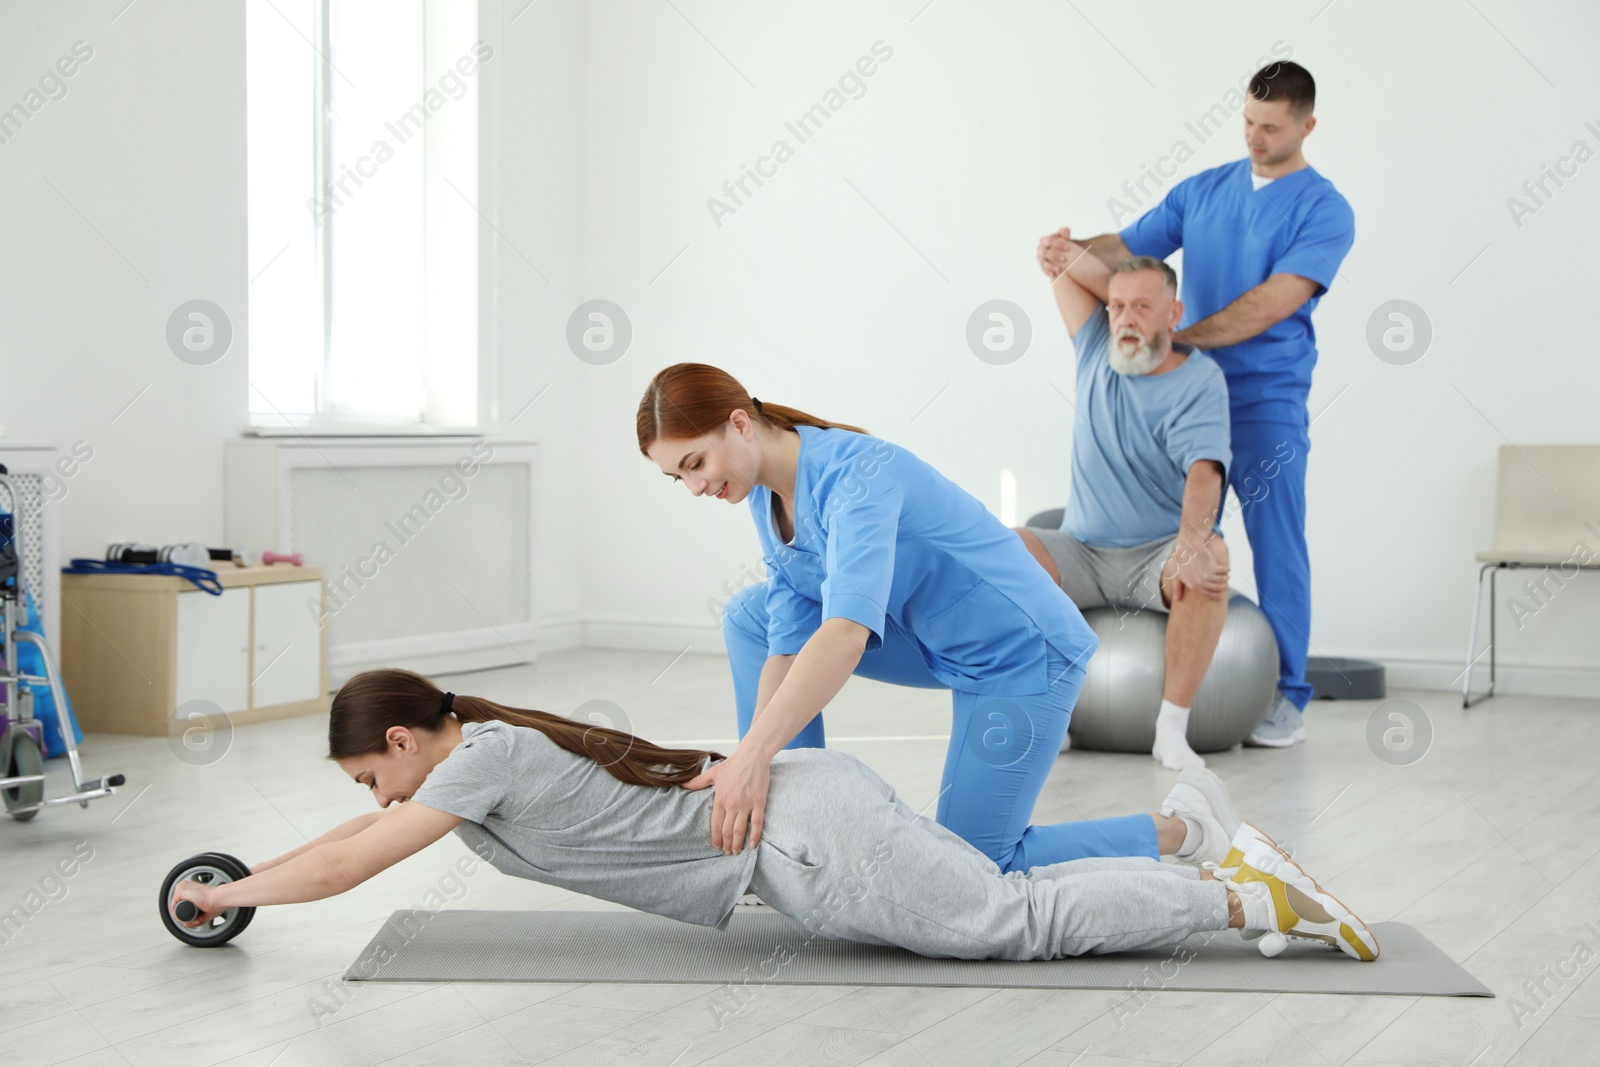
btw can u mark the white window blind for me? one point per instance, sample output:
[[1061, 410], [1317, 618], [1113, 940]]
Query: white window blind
[[362, 229]]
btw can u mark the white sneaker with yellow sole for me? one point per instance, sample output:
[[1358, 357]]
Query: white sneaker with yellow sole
[[1293, 904]]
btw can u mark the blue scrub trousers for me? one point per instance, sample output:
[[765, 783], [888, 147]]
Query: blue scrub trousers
[[1002, 747], [1269, 479]]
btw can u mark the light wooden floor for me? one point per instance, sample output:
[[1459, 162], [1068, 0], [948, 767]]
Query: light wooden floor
[[1485, 844]]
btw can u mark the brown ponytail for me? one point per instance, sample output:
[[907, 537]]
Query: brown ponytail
[[370, 703], [689, 400]]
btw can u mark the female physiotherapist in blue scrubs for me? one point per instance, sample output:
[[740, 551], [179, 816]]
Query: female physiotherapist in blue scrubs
[[880, 566]]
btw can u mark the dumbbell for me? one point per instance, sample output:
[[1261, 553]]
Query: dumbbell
[[281, 557], [239, 555], [208, 868], [189, 553]]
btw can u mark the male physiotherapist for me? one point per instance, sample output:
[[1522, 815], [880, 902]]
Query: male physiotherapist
[[1262, 240]]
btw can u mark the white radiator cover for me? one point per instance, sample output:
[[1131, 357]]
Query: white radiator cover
[[427, 545]]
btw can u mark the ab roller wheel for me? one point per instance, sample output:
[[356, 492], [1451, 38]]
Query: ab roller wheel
[[208, 868]]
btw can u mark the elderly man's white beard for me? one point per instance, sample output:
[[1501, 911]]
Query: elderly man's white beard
[[1141, 360]]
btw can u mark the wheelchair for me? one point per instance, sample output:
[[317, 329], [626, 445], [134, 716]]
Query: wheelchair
[[22, 779]]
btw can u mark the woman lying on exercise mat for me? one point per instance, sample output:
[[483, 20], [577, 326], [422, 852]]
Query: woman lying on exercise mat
[[602, 812]]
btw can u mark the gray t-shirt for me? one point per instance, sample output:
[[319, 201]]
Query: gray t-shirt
[[534, 810], [1135, 438]]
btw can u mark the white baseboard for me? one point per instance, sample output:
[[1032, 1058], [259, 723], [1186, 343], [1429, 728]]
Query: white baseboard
[[394, 649], [564, 632], [554, 633], [643, 636], [437, 664], [557, 633], [1571, 680]]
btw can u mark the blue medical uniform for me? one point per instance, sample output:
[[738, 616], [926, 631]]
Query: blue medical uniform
[[1234, 236], [954, 600]]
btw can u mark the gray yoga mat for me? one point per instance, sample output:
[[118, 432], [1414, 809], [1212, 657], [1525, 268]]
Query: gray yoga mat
[[762, 947]]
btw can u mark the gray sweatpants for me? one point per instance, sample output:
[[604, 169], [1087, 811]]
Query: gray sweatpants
[[846, 858]]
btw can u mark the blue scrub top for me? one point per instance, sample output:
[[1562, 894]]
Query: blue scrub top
[[1234, 237], [881, 538]]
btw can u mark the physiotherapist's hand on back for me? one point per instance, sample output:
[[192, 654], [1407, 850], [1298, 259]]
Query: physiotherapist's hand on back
[[829, 657], [739, 804]]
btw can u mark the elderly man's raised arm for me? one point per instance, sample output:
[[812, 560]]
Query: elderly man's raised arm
[[1079, 280], [1088, 271], [1107, 248], [1075, 301]]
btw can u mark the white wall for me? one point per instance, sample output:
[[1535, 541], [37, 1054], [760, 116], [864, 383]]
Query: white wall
[[844, 284], [148, 144], [123, 199], [531, 269]]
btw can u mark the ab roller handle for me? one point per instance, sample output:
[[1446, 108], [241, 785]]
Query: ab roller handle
[[209, 869]]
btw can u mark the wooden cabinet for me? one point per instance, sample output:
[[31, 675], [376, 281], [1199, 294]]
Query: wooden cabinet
[[288, 644], [136, 648], [213, 648]]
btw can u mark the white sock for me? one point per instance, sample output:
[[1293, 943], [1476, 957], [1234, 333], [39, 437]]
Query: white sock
[[1172, 739], [1191, 838], [1254, 896]]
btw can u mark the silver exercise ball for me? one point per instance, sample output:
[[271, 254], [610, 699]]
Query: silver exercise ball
[[1116, 711]]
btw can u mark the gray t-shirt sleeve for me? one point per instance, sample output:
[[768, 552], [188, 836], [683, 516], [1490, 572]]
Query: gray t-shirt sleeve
[[1199, 427], [473, 780], [1093, 339]]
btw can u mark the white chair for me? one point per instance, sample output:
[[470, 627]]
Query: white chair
[[1546, 514]]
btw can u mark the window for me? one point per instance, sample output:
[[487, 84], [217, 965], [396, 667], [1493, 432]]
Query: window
[[362, 227]]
